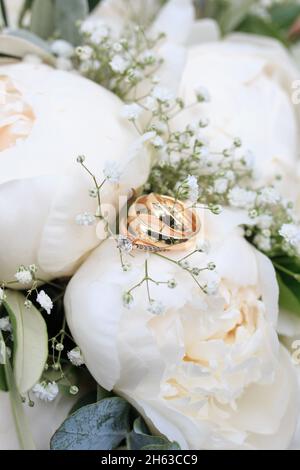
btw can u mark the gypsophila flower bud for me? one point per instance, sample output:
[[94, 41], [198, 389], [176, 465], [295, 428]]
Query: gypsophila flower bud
[[253, 214], [172, 284], [46, 391], [85, 219], [84, 52], [127, 300], [80, 159], [196, 271], [74, 390], [211, 266], [132, 111], [203, 246], [126, 267], [162, 94], [216, 209], [237, 142], [59, 347], [93, 193], [156, 308], [189, 189], [112, 172], [119, 64], [75, 357], [202, 94], [184, 264], [45, 302], [28, 304]]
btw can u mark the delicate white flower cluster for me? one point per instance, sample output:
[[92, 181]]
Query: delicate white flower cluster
[[189, 189], [46, 391], [75, 357], [45, 302], [64, 52], [118, 63], [85, 220]]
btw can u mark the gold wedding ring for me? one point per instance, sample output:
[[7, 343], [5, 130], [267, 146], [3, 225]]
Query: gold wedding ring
[[159, 223]]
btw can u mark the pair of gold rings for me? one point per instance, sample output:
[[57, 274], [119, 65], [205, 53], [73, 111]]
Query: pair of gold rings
[[159, 223]]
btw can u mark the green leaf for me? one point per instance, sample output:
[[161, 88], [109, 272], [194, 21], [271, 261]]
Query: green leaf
[[68, 13], [288, 275], [42, 18], [3, 384], [30, 341], [234, 15], [284, 15], [256, 25], [102, 426], [22, 428], [289, 298], [141, 439], [18, 43]]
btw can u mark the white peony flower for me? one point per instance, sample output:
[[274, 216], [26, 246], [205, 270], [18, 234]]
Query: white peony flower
[[250, 80], [207, 370], [48, 118]]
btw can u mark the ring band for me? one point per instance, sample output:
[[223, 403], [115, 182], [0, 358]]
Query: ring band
[[159, 223]]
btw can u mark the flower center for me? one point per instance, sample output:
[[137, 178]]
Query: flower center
[[16, 116]]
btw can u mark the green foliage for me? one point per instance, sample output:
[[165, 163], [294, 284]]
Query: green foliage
[[106, 425], [288, 275], [283, 15], [93, 4], [30, 341], [67, 15], [42, 18], [256, 25]]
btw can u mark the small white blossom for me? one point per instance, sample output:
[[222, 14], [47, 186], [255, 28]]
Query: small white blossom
[[112, 172], [202, 94], [151, 103], [264, 221], [212, 283], [84, 52], [132, 111], [46, 391], [119, 64], [124, 244], [75, 357], [5, 324], [62, 48], [268, 196], [263, 243], [162, 94], [190, 188], [45, 302], [128, 300], [147, 57], [242, 198], [221, 185], [156, 308], [158, 142], [85, 219], [291, 233], [24, 276], [203, 246]]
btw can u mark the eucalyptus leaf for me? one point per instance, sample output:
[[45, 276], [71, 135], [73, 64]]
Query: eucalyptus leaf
[[101, 426], [140, 438], [19, 43], [285, 14], [171, 446], [42, 18], [68, 14], [30, 341], [20, 420]]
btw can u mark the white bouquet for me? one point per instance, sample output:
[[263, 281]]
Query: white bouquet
[[150, 235]]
